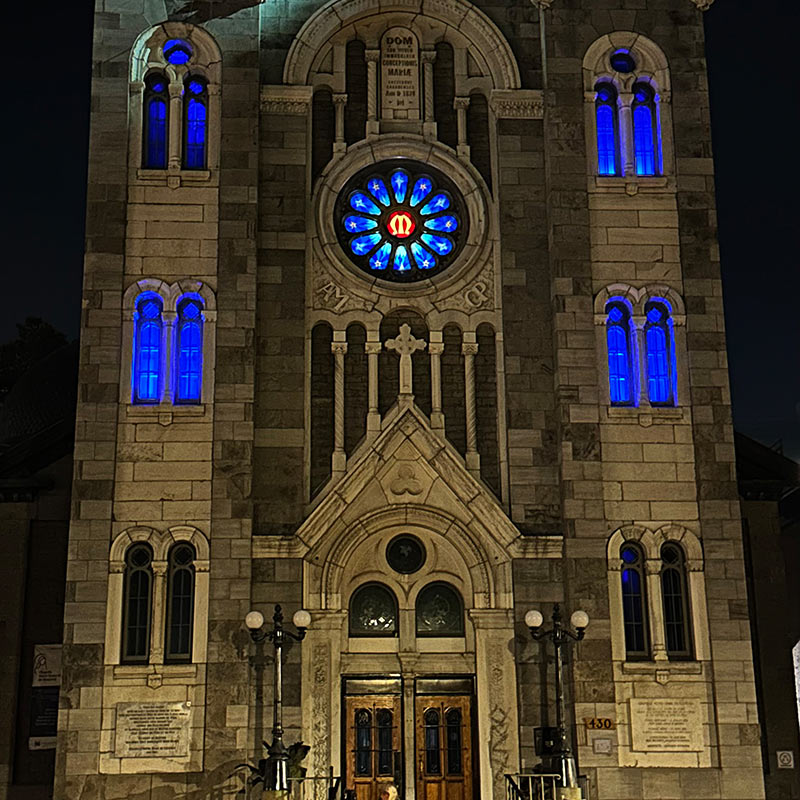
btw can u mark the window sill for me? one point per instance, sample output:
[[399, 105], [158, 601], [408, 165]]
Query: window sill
[[631, 184], [173, 177], [164, 413], [662, 670], [154, 674], [647, 415]]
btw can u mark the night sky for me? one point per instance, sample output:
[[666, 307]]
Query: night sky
[[751, 45]]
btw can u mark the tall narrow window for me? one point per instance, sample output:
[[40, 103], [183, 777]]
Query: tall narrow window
[[180, 603], [433, 761], [676, 602], [383, 718], [645, 130], [154, 127], [195, 122], [137, 604], [618, 338], [660, 354], [453, 729], [189, 377], [634, 602], [147, 349], [363, 726], [606, 121]]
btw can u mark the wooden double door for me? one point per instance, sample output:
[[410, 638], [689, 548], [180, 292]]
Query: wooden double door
[[377, 746]]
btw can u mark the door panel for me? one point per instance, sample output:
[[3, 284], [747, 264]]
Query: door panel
[[444, 748], [372, 739]]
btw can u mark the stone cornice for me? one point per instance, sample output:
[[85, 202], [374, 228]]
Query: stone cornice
[[517, 103], [279, 99]]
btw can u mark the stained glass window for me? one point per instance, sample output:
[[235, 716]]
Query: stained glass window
[[660, 354], [373, 611], [177, 51], [606, 120], [634, 604], [147, 349], [440, 611], [622, 61], [646, 135], [676, 602], [189, 348], [137, 603], [195, 123], [401, 220], [618, 338], [180, 603], [154, 125]]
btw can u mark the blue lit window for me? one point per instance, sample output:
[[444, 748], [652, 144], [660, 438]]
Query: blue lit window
[[622, 61], [606, 118], [647, 147], [620, 362], [189, 377], [195, 123], [147, 349], [660, 354], [155, 123], [676, 602], [177, 51], [634, 601]]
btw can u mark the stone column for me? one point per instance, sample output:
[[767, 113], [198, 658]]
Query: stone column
[[658, 639], [436, 348], [461, 104], [169, 370], [214, 116], [175, 126], [373, 349], [429, 120], [469, 349], [626, 149], [159, 615], [639, 360], [372, 57], [338, 348], [339, 104]]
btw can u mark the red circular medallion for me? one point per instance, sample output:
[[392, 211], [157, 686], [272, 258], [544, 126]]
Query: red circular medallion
[[401, 224]]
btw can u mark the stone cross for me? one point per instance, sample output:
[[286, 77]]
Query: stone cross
[[405, 345]]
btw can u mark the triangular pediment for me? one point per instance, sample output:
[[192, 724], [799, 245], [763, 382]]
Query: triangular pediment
[[412, 469]]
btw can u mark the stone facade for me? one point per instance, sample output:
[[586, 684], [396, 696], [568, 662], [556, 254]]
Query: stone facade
[[535, 516]]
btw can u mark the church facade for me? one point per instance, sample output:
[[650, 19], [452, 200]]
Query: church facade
[[407, 314]]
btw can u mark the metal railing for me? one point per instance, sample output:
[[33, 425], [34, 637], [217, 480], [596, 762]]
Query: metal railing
[[540, 786]]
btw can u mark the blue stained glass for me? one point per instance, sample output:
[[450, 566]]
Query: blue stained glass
[[156, 134], [424, 259], [157, 86], [644, 140], [629, 555], [619, 382], [359, 224], [195, 134], [360, 202], [438, 202], [363, 244], [378, 190], [147, 361], [422, 189], [195, 87], [151, 310], [400, 185], [401, 260], [176, 51], [189, 360], [606, 141], [446, 223], [380, 258], [658, 365], [654, 315], [615, 314], [191, 311], [440, 244]]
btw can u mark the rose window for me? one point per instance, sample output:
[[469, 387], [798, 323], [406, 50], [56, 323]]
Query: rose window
[[401, 220]]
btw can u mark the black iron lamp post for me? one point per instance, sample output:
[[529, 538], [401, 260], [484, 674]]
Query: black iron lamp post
[[559, 634], [276, 777]]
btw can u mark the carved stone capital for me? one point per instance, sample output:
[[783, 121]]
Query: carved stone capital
[[373, 348], [372, 55], [427, 56], [338, 348], [460, 102], [703, 5], [286, 99], [436, 348], [339, 99], [517, 103], [469, 348]]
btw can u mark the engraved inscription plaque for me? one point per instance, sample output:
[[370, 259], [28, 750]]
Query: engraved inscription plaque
[[666, 726], [400, 74], [153, 730]]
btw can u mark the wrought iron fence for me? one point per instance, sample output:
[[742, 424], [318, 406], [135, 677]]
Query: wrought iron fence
[[539, 786]]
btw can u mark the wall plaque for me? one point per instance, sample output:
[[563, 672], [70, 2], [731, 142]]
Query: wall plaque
[[153, 730], [666, 726], [400, 74]]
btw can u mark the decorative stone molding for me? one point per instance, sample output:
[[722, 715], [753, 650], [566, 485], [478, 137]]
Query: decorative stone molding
[[517, 103], [278, 99], [703, 5]]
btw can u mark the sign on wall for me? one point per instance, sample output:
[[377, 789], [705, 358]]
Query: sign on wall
[[45, 685], [153, 730], [400, 74], [666, 726]]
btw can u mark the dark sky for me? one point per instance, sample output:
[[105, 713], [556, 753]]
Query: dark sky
[[754, 98]]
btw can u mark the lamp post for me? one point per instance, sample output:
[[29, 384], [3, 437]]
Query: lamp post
[[276, 777], [559, 634]]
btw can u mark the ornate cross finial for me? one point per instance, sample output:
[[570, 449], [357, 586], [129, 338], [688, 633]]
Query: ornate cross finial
[[405, 345]]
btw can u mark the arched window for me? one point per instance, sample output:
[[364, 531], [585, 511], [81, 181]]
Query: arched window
[[363, 725], [646, 135], [454, 744], [634, 602], [373, 611], [620, 362], [433, 761], [660, 354], [440, 611], [189, 377], [607, 127], [676, 602], [385, 729], [155, 122], [180, 603], [148, 323], [137, 604], [195, 122]]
